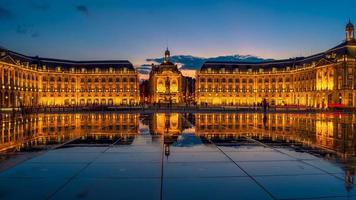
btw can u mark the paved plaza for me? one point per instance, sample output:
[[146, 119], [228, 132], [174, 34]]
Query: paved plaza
[[244, 168]]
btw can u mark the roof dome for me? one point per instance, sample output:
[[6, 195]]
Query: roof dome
[[349, 25], [167, 55]]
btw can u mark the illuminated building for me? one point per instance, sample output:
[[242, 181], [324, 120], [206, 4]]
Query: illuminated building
[[323, 80], [166, 82], [35, 81]]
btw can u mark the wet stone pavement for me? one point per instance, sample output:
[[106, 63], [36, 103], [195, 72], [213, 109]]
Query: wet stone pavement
[[187, 166]]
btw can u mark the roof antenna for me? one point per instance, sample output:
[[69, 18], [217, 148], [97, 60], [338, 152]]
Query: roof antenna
[[167, 44]]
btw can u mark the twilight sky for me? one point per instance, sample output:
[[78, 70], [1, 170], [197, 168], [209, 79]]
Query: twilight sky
[[140, 29]]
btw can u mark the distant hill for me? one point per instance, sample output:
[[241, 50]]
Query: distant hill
[[192, 62]]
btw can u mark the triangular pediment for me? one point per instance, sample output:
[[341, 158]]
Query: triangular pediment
[[8, 59], [323, 62]]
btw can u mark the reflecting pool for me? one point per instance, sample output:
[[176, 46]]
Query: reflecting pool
[[178, 156]]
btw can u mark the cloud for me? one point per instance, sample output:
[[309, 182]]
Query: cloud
[[188, 64], [26, 29], [22, 29], [83, 9], [194, 63], [144, 69], [5, 14], [39, 5]]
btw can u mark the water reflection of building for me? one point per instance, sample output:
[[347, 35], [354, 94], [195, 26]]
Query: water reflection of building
[[171, 126], [322, 80], [46, 129], [330, 132], [166, 124]]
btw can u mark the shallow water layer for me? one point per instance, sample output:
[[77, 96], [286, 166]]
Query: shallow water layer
[[179, 156]]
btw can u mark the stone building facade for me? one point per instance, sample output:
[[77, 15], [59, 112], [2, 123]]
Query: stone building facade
[[166, 82], [326, 79], [34, 81], [323, 80]]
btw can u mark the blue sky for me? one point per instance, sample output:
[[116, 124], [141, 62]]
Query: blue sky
[[140, 29]]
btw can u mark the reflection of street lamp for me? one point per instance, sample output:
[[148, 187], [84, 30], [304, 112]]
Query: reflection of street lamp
[[20, 101], [167, 150]]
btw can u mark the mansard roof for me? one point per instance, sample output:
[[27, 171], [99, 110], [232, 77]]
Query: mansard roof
[[52, 63], [347, 48], [157, 69]]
